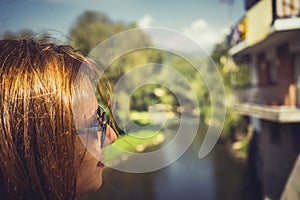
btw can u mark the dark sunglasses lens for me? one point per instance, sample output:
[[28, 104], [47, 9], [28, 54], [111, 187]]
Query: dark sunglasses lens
[[101, 114], [103, 134], [102, 120]]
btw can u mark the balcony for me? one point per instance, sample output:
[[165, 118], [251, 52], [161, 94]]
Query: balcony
[[279, 114], [267, 95], [272, 103], [261, 21]]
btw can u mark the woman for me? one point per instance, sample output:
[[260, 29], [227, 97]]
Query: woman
[[52, 131]]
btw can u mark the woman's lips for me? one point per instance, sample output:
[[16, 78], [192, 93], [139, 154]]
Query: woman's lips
[[100, 164]]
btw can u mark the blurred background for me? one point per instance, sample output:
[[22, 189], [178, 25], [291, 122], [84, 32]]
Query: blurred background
[[255, 47]]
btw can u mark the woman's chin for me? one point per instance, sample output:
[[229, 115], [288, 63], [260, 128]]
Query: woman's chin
[[94, 184], [91, 189]]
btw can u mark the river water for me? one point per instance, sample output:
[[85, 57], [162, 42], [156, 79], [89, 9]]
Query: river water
[[219, 176]]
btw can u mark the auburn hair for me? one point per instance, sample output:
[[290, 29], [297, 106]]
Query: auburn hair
[[37, 132]]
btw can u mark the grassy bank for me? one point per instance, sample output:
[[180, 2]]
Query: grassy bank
[[137, 141]]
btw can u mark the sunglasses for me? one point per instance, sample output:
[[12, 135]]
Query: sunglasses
[[101, 118]]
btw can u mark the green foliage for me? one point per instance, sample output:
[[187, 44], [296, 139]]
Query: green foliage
[[129, 143], [152, 94], [232, 122], [240, 77], [91, 28], [220, 56], [229, 70], [125, 63], [144, 95]]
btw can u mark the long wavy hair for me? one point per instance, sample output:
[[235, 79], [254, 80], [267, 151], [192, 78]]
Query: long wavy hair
[[37, 132]]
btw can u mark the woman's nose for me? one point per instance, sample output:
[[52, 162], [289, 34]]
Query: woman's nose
[[111, 136]]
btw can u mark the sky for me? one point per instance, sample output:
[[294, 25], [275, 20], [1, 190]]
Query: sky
[[205, 21]]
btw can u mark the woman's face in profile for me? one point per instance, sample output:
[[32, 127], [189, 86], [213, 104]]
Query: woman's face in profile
[[89, 177]]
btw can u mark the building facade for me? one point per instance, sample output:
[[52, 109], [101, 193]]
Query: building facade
[[267, 40]]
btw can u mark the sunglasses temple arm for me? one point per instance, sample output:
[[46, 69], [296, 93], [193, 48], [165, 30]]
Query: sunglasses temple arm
[[103, 135]]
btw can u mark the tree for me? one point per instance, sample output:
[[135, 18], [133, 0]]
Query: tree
[[91, 28], [229, 69]]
